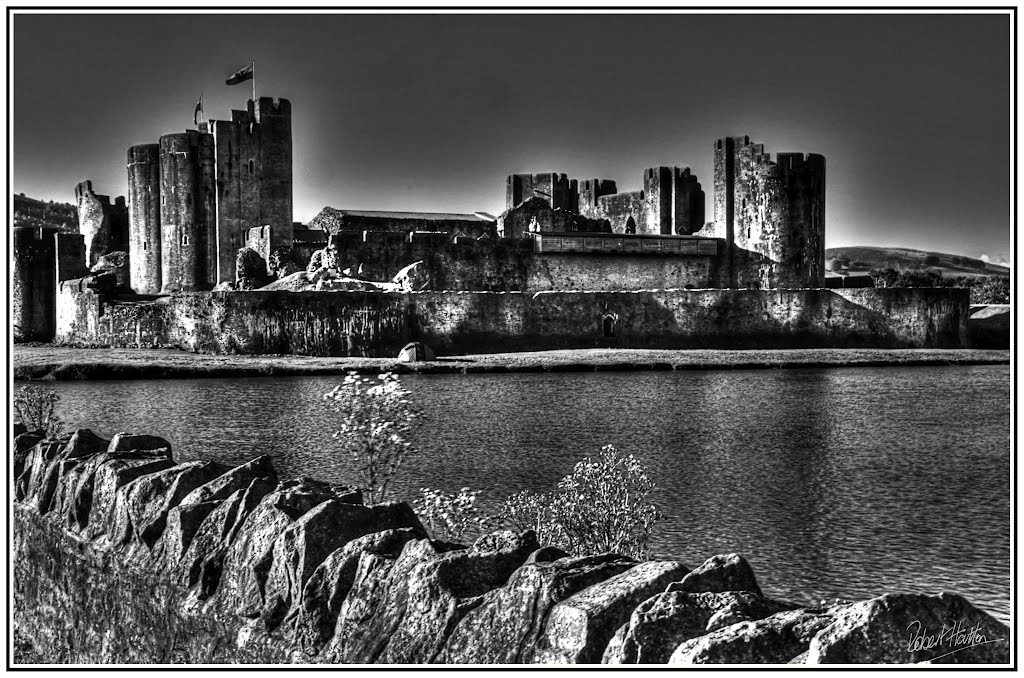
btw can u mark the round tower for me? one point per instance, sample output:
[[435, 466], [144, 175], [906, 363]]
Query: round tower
[[144, 244], [180, 252]]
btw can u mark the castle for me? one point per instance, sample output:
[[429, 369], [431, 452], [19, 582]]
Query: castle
[[638, 268], [194, 195]]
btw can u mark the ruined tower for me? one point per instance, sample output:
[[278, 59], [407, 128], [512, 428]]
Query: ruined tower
[[556, 189], [103, 223], [771, 214], [253, 159], [144, 218]]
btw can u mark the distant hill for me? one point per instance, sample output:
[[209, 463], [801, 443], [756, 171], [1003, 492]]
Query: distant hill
[[863, 259], [32, 212]]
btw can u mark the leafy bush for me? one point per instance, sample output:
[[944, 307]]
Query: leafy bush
[[375, 415], [993, 289], [450, 516], [37, 409], [932, 260], [601, 506]]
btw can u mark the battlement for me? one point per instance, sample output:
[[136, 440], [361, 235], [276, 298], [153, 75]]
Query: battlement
[[269, 107]]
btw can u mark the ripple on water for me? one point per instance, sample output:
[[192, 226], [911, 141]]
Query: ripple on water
[[844, 482]]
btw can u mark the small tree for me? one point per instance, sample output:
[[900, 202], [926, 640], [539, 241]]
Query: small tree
[[37, 409], [375, 415], [450, 516], [601, 506]]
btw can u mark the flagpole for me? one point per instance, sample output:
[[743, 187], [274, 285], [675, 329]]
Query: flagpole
[[254, 81]]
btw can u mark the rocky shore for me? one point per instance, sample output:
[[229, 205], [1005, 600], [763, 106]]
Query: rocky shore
[[43, 361], [122, 555]]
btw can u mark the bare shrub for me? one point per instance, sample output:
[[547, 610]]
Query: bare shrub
[[37, 409], [374, 416], [451, 516], [601, 506]]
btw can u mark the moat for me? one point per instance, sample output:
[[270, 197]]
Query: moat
[[833, 482]]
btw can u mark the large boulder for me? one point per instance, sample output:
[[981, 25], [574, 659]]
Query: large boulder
[[246, 564], [141, 506], [304, 544], [412, 278], [121, 466], [579, 628], [23, 443], [718, 574], [777, 639], [203, 560], [905, 628], [442, 591], [662, 623], [315, 615], [116, 263], [377, 602], [509, 623], [183, 521]]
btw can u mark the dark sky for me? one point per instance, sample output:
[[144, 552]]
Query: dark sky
[[429, 112]]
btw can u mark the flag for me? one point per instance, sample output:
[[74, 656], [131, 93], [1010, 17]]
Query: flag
[[242, 75], [198, 111]]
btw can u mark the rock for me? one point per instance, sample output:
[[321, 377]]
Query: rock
[[718, 574], [579, 628], [314, 617], [113, 472], [442, 591], [377, 603], [507, 625], [547, 554], [294, 283], [124, 442], [777, 639], [183, 521], [902, 628], [412, 278], [24, 442], [141, 506], [78, 506], [117, 264], [304, 545], [237, 478], [203, 560], [662, 623], [247, 561], [45, 465]]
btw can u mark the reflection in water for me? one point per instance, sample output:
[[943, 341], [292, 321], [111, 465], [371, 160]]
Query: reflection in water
[[834, 483]]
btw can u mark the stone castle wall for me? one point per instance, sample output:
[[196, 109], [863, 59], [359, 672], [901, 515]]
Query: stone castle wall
[[380, 324], [41, 259]]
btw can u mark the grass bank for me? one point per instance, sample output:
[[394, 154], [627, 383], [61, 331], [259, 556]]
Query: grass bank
[[40, 361]]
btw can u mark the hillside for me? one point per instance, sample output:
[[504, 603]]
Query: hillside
[[32, 212], [863, 259]]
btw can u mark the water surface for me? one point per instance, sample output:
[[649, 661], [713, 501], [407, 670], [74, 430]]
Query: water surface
[[842, 482]]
